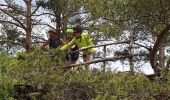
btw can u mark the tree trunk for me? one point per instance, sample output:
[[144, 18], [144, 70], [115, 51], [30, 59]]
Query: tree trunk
[[156, 46], [58, 22], [29, 27], [161, 57], [64, 28], [57, 12], [130, 59]]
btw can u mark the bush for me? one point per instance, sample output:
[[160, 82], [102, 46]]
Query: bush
[[47, 74]]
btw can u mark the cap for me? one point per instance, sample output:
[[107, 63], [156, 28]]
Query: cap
[[69, 31]]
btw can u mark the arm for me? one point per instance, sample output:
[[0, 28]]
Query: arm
[[63, 42], [69, 45], [43, 47]]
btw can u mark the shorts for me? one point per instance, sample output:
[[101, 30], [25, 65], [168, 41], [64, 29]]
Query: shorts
[[73, 56]]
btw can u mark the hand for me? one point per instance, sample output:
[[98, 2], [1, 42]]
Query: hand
[[68, 51], [73, 46], [45, 49], [80, 49]]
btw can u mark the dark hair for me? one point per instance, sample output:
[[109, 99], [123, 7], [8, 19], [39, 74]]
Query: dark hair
[[52, 31], [77, 29]]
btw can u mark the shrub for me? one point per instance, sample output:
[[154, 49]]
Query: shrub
[[48, 75]]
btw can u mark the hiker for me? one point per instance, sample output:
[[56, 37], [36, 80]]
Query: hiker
[[53, 41], [71, 55], [82, 40]]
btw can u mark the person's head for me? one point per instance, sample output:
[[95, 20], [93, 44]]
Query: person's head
[[77, 31], [52, 34], [70, 32]]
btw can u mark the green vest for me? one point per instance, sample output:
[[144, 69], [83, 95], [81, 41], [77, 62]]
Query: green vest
[[84, 42]]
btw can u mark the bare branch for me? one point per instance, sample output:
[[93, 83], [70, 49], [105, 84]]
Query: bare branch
[[3, 5], [87, 21], [2, 21], [36, 37], [100, 60], [149, 49], [45, 25], [22, 25], [12, 42], [35, 10], [37, 42], [13, 7], [44, 14], [25, 1], [113, 59]]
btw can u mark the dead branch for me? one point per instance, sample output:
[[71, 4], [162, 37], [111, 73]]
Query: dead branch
[[12, 42], [100, 60], [15, 19]]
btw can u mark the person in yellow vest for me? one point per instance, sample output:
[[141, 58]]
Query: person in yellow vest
[[71, 56], [82, 40]]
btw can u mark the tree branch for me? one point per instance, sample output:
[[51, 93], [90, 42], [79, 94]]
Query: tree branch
[[12, 42], [35, 10], [97, 61], [22, 25], [44, 14], [25, 1], [36, 37], [37, 42], [45, 25], [12, 7], [2, 21], [149, 49], [3, 5]]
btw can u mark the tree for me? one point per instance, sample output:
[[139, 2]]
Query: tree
[[154, 16], [63, 12], [10, 40], [141, 16], [21, 15]]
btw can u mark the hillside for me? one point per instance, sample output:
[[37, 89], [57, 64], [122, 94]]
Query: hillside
[[43, 77]]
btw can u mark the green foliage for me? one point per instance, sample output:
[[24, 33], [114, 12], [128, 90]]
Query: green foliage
[[48, 74], [115, 16], [34, 69], [10, 34], [6, 80]]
